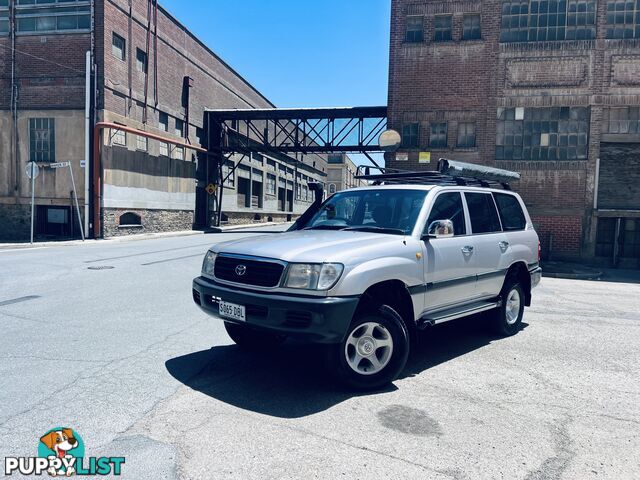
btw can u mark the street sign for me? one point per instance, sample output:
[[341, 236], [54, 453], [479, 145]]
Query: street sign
[[211, 189], [32, 169], [83, 163], [60, 165], [424, 157], [402, 157]]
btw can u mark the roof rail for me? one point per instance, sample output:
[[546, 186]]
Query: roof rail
[[450, 172]]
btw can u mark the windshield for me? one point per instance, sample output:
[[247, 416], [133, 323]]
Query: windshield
[[384, 211]]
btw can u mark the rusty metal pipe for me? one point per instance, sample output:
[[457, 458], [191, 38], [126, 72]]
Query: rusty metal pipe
[[97, 163]]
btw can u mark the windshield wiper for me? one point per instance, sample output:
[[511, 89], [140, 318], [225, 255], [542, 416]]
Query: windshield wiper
[[371, 228], [325, 227]]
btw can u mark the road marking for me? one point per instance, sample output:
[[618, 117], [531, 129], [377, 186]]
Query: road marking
[[176, 258], [18, 300], [21, 249]]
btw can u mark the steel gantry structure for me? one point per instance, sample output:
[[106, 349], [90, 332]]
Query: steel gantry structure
[[284, 133]]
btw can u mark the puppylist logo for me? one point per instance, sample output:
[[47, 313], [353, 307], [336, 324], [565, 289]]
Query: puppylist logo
[[61, 453]]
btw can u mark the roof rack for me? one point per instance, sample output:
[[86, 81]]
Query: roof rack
[[449, 172]]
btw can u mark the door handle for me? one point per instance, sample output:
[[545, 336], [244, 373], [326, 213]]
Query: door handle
[[467, 250], [503, 245]]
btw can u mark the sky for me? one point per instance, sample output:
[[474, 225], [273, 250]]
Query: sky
[[298, 53]]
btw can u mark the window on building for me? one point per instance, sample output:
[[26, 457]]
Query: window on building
[[164, 149], [624, 120], [4, 17], [466, 135], [623, 19], [178, 153], [130, 219], [163, 121], [42, 140], [179, 127], [141, 143], [482, 213], [271, 184], [305, 193], [411, 135], [335, 158], [438, 135], [119, 137], [52, 15], [548, 20], [552, 133], [442, 28], [271, 164], [415, 29], [228, 174], [332, 188], [118, 46], [471, 27], [298, 191], [141, 60]]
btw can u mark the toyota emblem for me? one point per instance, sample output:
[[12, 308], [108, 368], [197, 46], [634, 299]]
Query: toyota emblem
[[241, 270]]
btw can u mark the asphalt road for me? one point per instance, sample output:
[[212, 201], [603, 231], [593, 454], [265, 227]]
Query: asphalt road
[[124, 357]]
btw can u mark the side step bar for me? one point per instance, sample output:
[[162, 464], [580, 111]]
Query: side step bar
[[441, 316]]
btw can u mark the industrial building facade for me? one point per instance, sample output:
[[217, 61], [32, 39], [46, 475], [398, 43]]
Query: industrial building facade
[[549, 88], [149, 73]]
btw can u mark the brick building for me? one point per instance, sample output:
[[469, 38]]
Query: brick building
[[149, 73], [549, 88]]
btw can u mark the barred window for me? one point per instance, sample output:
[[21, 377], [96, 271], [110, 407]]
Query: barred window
[[438, 135], [466, 135], [624, 120], [141, 143], [471, 27], [552, 133], [52, 15], [164, 149], [415, 29], [442, 28], [411, 135], [119, 137], [42, 140], [178, 153], [623, 19], [548, 20]]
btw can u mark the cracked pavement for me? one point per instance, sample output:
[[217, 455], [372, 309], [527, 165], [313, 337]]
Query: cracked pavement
[[125, 358]]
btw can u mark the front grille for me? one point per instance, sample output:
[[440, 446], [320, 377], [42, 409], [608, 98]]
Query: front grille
[[256, 272]]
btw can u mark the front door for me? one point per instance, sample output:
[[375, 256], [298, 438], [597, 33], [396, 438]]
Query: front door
[[449, 262]]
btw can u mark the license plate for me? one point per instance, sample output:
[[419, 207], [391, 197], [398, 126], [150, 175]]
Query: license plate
[[231, 310]]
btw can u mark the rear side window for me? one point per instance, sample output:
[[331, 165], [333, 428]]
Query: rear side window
[[510, 211], [448, 206], [482, 212]]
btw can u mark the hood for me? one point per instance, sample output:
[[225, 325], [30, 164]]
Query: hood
[[315, 246]]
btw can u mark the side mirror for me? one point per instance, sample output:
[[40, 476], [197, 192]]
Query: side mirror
[[440, 229]]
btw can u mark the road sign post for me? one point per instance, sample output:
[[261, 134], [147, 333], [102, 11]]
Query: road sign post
[[32, 172], [75, 194]]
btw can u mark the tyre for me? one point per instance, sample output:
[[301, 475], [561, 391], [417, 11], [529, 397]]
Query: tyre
[[253, 339], [374, 351], [508, 317]]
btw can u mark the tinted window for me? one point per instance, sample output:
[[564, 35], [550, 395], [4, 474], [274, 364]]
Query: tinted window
[[482, 212], [510, 211], [448, 206]]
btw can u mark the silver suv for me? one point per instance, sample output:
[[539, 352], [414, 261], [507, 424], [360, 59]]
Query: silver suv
[[366, 269]]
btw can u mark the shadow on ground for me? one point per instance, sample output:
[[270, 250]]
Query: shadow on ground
[[293, 382]]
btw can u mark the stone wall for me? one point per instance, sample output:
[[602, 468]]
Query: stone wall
[[152, 221], [15, 222]]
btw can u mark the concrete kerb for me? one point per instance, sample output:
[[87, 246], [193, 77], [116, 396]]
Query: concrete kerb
[[130, 238]]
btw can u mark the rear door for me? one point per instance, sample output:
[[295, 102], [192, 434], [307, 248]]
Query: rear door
[[449, 262], [491, 245]]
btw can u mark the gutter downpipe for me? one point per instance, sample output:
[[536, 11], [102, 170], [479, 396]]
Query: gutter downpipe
[[87, 138], [97, 164]]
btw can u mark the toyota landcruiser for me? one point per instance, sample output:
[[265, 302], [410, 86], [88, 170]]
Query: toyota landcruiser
[[364, 270]]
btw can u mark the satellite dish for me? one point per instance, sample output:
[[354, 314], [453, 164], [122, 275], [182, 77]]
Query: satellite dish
[[389, 141]]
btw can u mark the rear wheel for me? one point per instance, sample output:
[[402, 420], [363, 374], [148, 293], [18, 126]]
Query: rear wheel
[[508, 317], [374, 351], [253, 339]]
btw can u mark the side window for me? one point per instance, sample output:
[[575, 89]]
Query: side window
[[482, 212], [448, 206], [510, 211]]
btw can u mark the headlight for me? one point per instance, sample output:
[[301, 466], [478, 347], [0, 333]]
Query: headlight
[[313, 276], [208, 263]]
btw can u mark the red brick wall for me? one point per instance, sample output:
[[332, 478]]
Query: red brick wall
[[560, 233]]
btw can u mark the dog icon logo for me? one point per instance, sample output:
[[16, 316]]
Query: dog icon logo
[[63, 444]]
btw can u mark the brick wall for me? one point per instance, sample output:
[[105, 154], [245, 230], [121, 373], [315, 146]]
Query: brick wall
[[618, 186], [559, 234]]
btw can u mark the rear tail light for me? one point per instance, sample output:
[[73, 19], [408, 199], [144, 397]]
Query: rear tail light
[[539, 251]]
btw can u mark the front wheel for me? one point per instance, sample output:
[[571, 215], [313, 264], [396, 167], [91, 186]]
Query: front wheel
[[252, 339], [508, 317], [374, 351]]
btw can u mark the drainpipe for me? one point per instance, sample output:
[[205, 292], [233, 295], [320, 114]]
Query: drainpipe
[[597, 181], [97, 164], [87, 136]]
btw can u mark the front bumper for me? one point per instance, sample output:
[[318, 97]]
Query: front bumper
[[315, 319], [536, 276]]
